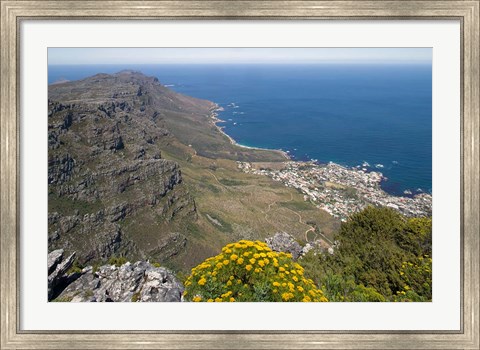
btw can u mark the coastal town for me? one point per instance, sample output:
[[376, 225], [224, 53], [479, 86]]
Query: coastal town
[[339, 190]]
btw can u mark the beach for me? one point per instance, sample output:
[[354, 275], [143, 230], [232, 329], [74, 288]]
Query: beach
[[214, 119]]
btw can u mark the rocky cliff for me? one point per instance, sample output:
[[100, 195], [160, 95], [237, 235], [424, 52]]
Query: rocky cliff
[[137, 282], [106, 173]]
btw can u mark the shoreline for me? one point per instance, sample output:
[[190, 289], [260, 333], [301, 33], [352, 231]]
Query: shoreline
[[288, 158], [214, 118]]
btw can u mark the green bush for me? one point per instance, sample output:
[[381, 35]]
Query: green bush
[[250, 271], [379, 252], [117, 261]]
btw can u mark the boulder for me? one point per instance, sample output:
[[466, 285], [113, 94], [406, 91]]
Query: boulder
[[283, 242]]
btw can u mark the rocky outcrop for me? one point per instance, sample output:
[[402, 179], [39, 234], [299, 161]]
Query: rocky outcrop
[[283, 242], [138, 282], [57, 269]]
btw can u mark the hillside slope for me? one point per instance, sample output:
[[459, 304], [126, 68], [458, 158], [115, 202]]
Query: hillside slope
[[138, 170]]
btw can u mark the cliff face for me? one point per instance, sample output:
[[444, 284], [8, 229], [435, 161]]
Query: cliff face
[[106, 172]]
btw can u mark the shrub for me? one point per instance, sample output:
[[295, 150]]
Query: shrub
[[417, 280], [379, 255], [250, 271], [117, 261]]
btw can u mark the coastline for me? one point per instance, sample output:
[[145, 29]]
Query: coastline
[[339, 190], [391, 199], [214, 119]]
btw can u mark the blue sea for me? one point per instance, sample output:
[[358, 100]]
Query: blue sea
[[347, 114]]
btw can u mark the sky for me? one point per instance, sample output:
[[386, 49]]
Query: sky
[[78, 56]]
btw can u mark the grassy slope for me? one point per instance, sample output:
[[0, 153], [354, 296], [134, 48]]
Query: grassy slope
[[233, 205]]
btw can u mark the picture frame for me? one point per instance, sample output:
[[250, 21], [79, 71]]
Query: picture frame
[[13, 12]]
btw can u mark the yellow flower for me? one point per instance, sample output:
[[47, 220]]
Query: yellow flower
[[266, 261], [295, 278], [252, 261], [240, 261], [229, 283], [256, 256], [306, 298], [197, 298], [234, 257], [276, 284], [257, 270], [300, 289], [209, 300], [261, 263], [225, 262], [281, 269], [246, 254], [218, 300], [248, 267], [202, 281], [232, 299]]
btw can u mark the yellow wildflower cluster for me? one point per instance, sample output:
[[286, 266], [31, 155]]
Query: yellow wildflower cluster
[[250, 271]]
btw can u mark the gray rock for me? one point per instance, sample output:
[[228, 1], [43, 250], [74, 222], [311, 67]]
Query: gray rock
[[58, 268], [283, 242], [53, 259], [138, 282]]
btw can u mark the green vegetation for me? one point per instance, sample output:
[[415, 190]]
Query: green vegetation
[[66, 206], [298, 206], [117, 261], [250, 271], [75, 268], [135, 297], [380, 255], [231, 182], [62, 300]]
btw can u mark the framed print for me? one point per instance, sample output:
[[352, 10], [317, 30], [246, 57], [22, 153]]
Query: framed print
[[311, 165]]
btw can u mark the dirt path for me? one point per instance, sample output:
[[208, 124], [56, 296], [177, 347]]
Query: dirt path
[[216, 179]]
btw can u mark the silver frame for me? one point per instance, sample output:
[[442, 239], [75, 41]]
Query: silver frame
[[13, 12]]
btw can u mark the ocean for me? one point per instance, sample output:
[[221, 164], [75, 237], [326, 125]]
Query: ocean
[[376, 115]]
